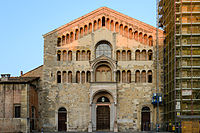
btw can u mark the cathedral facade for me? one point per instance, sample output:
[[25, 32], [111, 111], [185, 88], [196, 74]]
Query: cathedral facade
[[99, 74]]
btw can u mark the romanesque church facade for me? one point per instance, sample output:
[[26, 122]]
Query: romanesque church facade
[[99, 74]]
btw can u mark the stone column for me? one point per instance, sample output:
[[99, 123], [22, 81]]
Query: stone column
[[120, 76], [92, 76], [115, 119], [114, 75], [90, 122]]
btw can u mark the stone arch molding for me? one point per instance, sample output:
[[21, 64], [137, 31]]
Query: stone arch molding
[[100, 93], [103, 60]]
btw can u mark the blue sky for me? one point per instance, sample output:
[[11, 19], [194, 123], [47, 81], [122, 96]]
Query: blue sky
[[23, 22]]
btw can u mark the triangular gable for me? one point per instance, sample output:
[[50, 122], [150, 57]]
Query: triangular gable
[[103, 11]]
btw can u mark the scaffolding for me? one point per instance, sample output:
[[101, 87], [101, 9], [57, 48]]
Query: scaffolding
[[180, 20]]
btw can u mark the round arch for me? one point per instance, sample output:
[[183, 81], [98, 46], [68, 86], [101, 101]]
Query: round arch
[[101, 93], [103, 47]]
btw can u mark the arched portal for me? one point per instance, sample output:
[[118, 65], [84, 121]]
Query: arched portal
[[103, 114], [62, 119], [145, 122], [103, 111]]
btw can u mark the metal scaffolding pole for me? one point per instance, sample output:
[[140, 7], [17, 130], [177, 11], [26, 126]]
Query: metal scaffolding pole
[[157, 63]]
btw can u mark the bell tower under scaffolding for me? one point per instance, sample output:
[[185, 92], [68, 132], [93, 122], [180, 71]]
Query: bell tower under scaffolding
[[180, 20]]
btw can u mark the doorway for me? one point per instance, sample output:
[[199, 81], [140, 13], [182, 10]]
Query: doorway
[[145, 123], [62, 119], [103, 118]]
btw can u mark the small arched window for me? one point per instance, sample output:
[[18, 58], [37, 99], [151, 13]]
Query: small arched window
[[118, 55], [123, 55], [88, 79], [77, 77], [83, 55], [129, 76], [59, 55], [64, 77], [130, 33], [90, 27], [81, 32], [143, 76], [143, 55], [63, 40], [83, 77], [118, 76], [150, 80], [69, 77], [150, 41], [58, 77], [137, 76], [99, 23], [76, 34], [108, 23], [150, 55], [103, 22], [136, 35], [71, 37], [103, 48], [116, 27], [85, 30], [112, 25], [67, 38], [70, 55], [123, 76], [140, 37], [95, 25], [128, 55], [126, 31], [88, 55], [64, 55], [121, 29], [137, 55], [59, 42], [78, 55], [145, 39]]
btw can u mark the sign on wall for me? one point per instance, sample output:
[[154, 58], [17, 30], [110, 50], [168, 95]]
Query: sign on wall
[[186, 92]]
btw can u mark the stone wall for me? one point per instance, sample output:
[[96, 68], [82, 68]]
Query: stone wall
[[75, 97], [10, 95]]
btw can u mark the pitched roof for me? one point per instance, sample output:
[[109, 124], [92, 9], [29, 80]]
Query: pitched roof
[[19, 80], [36, 72]]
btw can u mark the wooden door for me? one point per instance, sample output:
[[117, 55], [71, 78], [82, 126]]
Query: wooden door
[[61, 121], [145, 126], [103, 118]]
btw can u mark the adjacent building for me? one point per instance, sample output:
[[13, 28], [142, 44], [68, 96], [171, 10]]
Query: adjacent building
[[18, 103]]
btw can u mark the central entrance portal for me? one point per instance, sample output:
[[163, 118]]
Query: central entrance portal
[[102, 112], [103, 118]]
